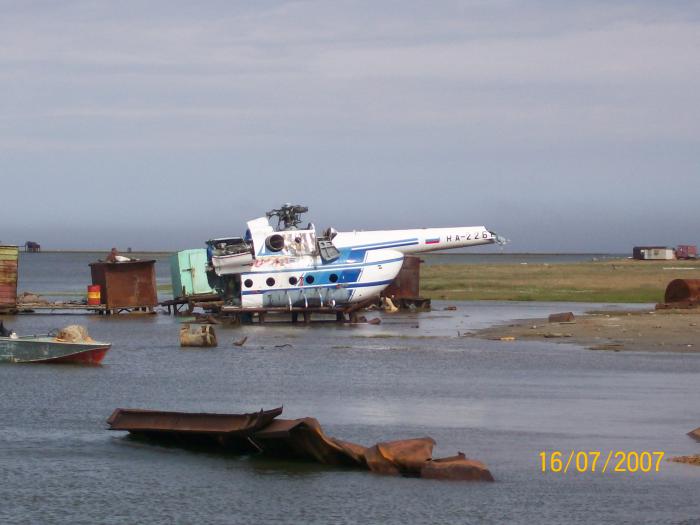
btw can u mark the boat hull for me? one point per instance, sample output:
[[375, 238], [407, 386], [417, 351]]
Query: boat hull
[[47, 350]]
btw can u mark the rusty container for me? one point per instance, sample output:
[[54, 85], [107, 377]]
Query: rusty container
[[407, 282], [683, 291], [126, 284], [8, 277]]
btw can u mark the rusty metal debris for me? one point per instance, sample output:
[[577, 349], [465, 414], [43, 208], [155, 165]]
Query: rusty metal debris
[[223, 432], [682, 293], [457, 467], [298, 439], [565, 317]]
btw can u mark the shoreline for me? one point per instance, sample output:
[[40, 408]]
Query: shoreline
[[637, 331]]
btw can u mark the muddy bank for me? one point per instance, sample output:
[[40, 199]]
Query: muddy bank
[[647, 331]]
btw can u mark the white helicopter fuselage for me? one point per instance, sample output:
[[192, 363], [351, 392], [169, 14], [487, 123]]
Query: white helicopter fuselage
[[288, 269]]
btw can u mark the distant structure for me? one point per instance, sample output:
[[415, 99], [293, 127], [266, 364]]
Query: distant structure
[[664, 253], [32, 247], [653, 253], [686, 251]]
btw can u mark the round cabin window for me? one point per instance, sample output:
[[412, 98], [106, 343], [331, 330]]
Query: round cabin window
[[309, 279], [270, 281], [333, 278], [248, 283], [275, 242], [293, 281]]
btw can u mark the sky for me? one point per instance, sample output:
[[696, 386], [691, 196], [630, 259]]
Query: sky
[[563, 126]]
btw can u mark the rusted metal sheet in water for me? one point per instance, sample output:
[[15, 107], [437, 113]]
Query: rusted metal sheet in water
[[137, 420], [301, 439], [683, 291], [304, 439]]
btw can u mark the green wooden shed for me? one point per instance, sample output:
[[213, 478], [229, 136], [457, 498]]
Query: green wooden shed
[[188, 272]]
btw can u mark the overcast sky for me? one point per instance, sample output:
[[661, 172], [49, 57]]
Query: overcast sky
[[571, 126]]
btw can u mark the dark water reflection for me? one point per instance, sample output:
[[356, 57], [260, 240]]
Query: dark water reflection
[[499, 402]]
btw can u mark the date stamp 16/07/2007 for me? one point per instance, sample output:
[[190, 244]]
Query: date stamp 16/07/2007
[[614, 461]]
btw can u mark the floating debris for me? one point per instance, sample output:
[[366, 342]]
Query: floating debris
[[240, 342], [199, 335]]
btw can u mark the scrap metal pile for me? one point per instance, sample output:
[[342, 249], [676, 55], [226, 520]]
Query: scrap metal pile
[[300, 439]]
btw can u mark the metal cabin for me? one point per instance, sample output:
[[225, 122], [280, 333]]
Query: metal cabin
[[126, 286]]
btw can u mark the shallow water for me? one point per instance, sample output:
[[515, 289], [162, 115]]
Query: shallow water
[[411, 376]]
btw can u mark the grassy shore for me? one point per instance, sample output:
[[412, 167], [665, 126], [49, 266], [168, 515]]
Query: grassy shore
[[616, 281]]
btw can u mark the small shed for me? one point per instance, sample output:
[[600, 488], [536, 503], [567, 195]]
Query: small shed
[[126, 285], [653, 253], [8, 277], [687, 251], [188, 273], [32, 247]]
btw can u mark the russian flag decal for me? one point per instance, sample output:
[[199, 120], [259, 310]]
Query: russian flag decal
[[436, 240]]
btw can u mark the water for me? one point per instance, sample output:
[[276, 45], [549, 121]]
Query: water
[[65, 276], [411, 376]]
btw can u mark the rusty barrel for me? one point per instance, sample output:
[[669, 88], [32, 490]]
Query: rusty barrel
[[683, 290], [94, 295]]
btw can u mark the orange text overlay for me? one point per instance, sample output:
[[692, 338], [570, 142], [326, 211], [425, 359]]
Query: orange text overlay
[[599, 461]]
